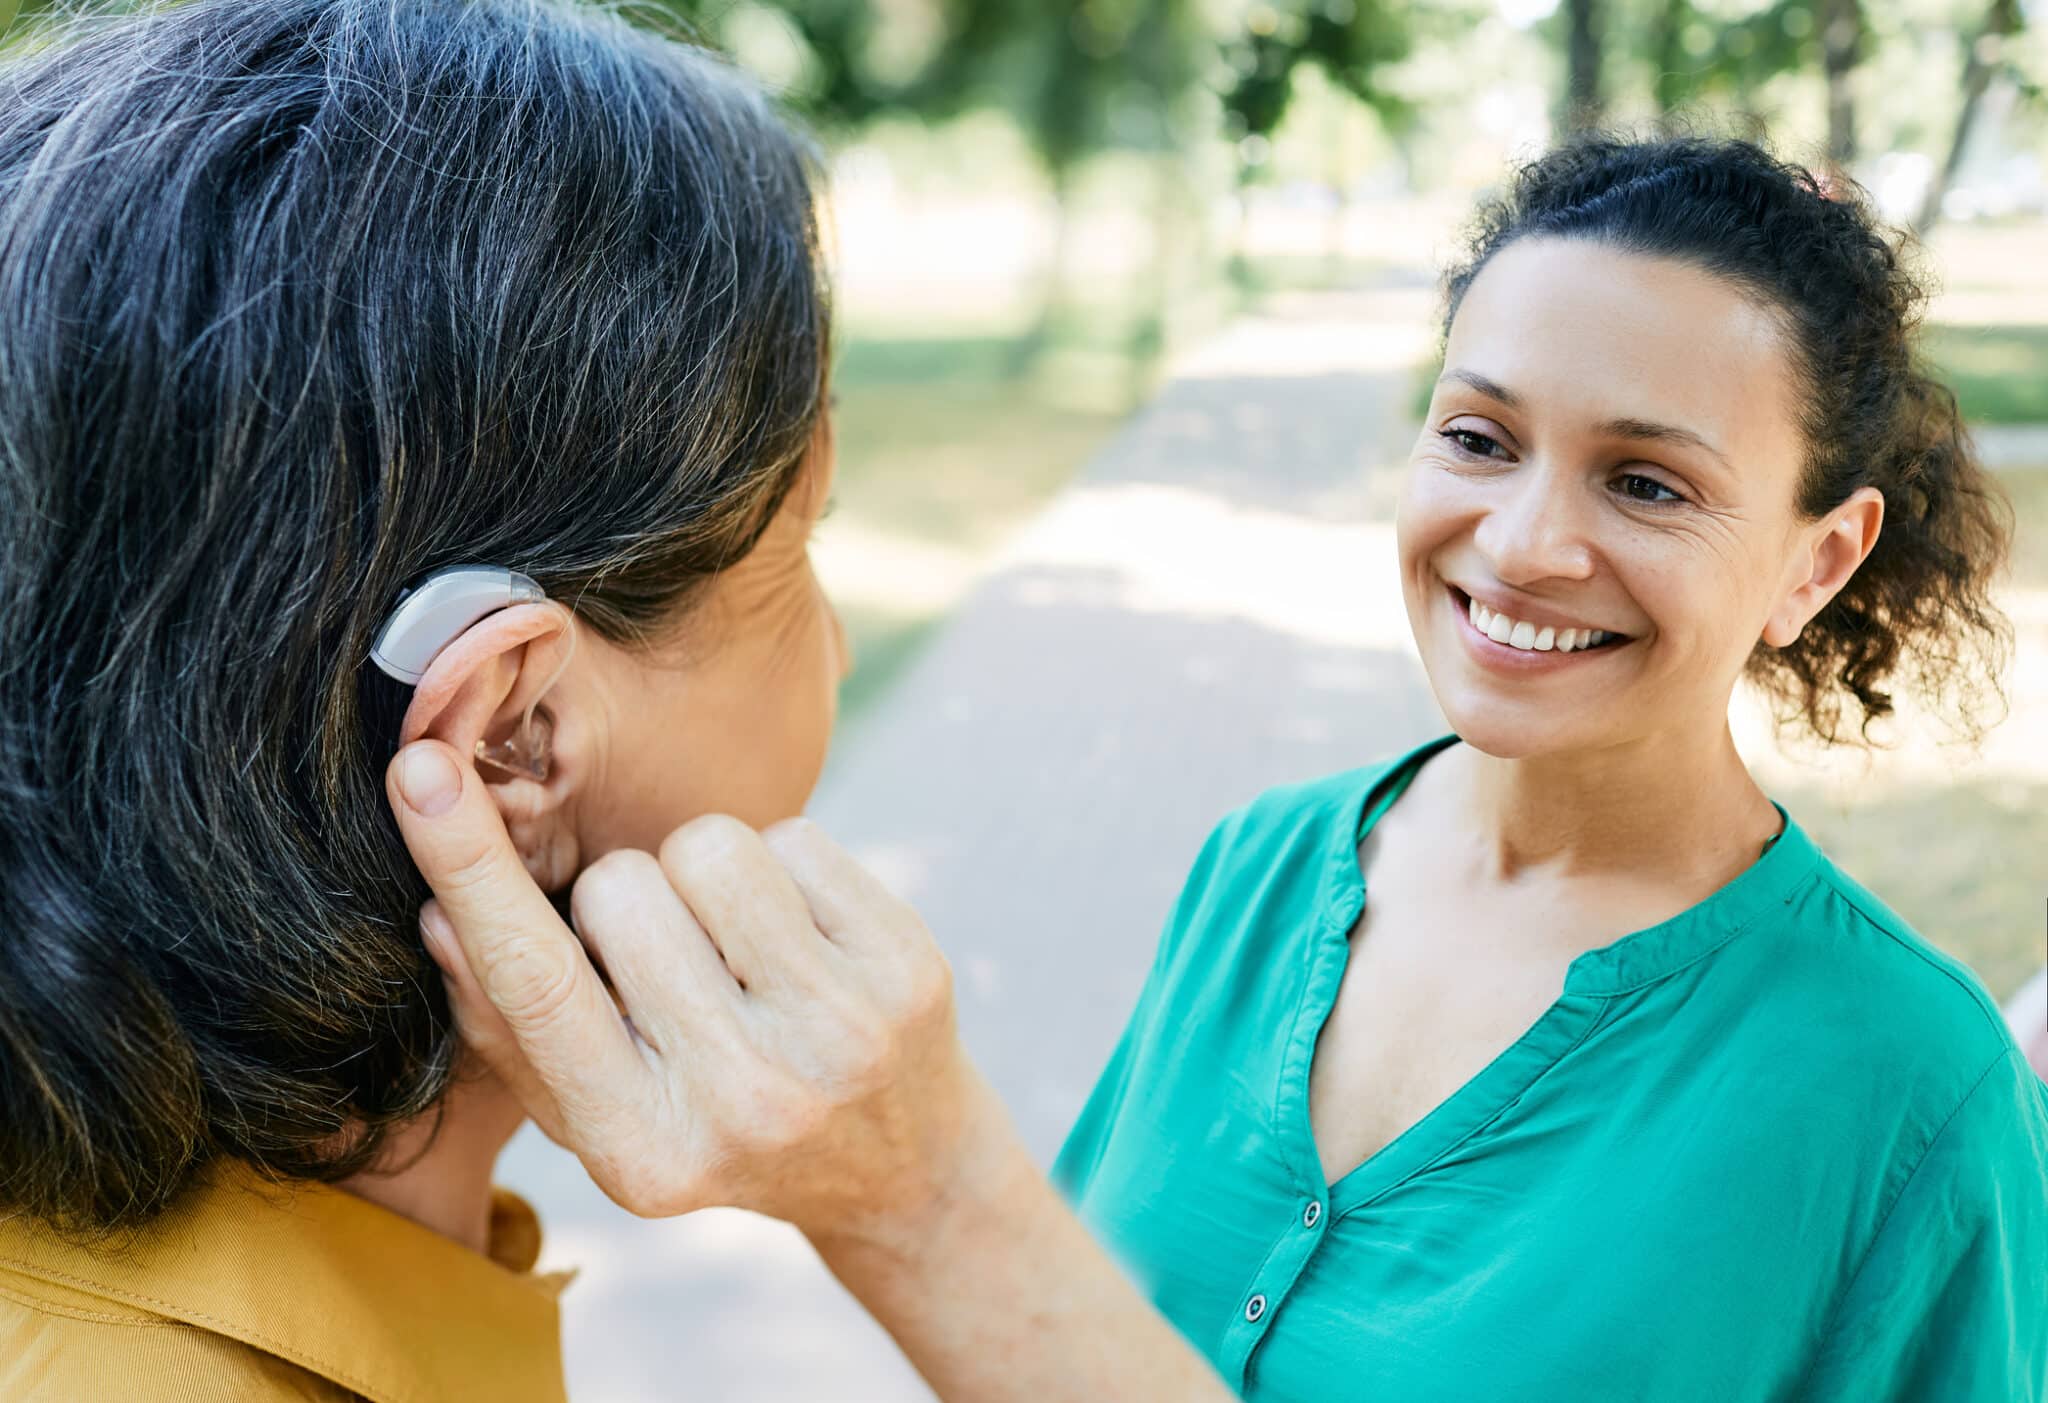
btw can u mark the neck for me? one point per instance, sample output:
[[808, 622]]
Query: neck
[[439, 1175], [1673, 804]]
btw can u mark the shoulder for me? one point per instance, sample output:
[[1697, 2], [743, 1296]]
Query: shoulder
[[1290, 814], [1867, 1021], [1927, 998]]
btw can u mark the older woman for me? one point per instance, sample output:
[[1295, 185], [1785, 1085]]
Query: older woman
[[1547, 1059], [450, 374], [304, 302]]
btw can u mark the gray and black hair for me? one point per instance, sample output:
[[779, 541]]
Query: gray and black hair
[[301, 300]]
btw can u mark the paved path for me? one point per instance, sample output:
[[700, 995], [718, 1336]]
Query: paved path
[[2012, 445], [1209, 610]]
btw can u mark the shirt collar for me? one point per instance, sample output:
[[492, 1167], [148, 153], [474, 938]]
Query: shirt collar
[[335, 1284], [1643, 956]]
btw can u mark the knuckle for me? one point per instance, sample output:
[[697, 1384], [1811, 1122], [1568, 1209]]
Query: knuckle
[[615, 885], [793, 835], [930, 990], [532, 983], [469, 870], [705, 839]]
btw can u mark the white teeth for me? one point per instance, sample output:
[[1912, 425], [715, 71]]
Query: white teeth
[[1527, 636]]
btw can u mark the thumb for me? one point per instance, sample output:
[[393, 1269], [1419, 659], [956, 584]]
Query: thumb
[[527, 963]]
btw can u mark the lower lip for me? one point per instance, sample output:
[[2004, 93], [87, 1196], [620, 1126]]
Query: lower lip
[[1519, 660]]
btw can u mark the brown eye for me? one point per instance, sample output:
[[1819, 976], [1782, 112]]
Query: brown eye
[[1644, 489], [1472, 442]]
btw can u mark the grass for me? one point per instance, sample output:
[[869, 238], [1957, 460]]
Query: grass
[[1999, 373], [944, 451], [2028, 488]]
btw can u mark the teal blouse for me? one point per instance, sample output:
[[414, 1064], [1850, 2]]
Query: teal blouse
[[1775, 1148]]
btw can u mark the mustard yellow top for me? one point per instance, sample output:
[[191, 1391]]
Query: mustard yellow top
[[250, 1292]]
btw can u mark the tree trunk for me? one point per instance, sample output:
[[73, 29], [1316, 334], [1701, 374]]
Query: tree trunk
[[1671, 86], [1985, 58], [1583, 102], [1841, 49], [1028, 350]]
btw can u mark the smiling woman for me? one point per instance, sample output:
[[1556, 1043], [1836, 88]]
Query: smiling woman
[[1614, 1087]]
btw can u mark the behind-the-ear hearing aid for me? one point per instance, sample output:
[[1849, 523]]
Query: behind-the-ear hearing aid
[[440, 610]]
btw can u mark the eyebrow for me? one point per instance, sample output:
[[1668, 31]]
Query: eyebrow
[[1490, 388], [1642, 430]]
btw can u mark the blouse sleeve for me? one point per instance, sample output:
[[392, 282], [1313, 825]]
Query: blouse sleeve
[[1951, 1301]]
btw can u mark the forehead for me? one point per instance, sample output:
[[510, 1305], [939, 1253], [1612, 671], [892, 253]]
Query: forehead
[[1585, 332]]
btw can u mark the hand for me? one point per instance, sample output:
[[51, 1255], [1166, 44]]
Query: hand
[[778, 1033]]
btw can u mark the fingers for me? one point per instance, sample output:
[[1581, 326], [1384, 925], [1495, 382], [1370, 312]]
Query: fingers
[[526, 962], [745, 900], [482, 1028], [848, 902], [664, 968]]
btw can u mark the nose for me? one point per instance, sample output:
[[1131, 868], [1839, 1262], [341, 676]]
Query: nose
[[1534, 529]]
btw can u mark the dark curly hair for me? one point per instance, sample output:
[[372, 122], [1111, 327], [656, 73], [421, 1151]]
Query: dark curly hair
[[304, 300], [1919, 609]]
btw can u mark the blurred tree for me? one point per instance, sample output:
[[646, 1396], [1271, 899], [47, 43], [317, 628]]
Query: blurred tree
[[1351, 41], [1700, 60], [1080, 77], [1585, 101], [1985, 58], [1842, 35], [835, 84]]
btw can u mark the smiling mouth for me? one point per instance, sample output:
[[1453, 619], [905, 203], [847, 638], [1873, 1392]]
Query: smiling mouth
[[1546, 640]]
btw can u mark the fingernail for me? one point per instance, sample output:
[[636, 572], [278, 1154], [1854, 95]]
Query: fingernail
[[428, 781]]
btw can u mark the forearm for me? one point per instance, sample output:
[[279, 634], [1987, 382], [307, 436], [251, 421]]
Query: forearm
[[1000, 1294]]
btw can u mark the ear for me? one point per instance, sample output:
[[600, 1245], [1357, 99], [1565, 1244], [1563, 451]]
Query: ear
[[478, 691], [1829, 554]]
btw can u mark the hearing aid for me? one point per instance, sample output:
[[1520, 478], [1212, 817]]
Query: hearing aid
[[439, 610]]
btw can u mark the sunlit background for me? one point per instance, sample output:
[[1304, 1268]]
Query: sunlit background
[[1135, 307]]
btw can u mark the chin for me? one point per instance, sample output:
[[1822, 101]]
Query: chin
[[1507, 730]]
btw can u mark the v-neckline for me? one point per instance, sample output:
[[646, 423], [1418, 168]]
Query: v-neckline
[[1589, 986]]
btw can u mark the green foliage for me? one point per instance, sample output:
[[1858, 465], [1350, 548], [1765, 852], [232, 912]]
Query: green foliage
[[1350, 40], [1999, 373], [838, 86], [1078, 75], [1696, 56]]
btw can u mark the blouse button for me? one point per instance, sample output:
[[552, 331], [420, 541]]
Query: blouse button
[[1312, 1214], [1254, 1308]]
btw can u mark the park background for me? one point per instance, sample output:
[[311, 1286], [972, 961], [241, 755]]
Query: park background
[[1136, 310], [1137, 306]]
